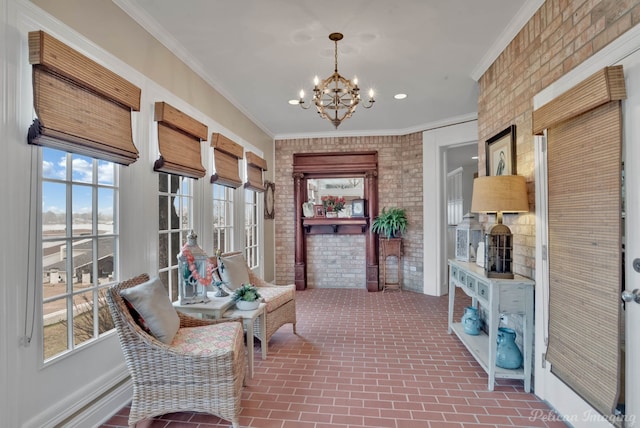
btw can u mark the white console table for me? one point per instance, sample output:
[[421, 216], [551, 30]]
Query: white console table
[[497, 296]]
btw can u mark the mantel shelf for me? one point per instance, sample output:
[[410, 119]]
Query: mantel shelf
[[348, 226]]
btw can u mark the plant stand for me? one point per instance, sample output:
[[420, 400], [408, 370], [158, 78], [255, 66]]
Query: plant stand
[[391, 247]]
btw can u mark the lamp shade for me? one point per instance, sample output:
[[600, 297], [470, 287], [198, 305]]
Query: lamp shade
[[500, 193]]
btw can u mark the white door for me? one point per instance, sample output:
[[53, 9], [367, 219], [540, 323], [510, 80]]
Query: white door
[[631, 120], [548, 387]]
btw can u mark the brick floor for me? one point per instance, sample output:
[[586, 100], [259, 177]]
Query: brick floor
[[369, 360]]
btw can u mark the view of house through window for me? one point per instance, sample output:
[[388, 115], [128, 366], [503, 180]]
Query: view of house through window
[[175, 199], [79, 248], [222, 218], [251, 249]]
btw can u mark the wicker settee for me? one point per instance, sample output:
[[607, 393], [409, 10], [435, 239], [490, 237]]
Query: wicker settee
[[202, 369], [280, 299]]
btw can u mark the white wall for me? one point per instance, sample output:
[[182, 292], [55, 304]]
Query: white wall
[[434, 145]]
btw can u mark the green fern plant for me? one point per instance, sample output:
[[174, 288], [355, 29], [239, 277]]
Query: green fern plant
[[391, 222]]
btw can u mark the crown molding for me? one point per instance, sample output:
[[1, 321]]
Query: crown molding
[[528, 9]]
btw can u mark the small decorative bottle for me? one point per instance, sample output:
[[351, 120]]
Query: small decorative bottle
[[508, 355], [471, 321]]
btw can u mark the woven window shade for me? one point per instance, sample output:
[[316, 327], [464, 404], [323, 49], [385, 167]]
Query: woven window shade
[[255, 166], [604, 86], [226, 156], [179, 138], [584, 199], [81, 106]]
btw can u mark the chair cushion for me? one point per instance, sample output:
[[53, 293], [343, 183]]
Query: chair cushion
[[208, 339], [151, 301], [277, 296], [233, 271]]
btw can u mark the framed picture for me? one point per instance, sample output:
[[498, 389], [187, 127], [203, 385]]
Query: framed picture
[[357, 208], [318, 210], [269, 202], [501, 153]]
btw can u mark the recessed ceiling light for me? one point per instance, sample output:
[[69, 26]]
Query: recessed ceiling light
[[400, 96], [294, 102]]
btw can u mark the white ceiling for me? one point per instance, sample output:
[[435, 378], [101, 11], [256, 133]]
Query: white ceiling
[[260, 53]]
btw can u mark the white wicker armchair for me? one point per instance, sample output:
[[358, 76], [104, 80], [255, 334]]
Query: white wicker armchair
[[168, 378]]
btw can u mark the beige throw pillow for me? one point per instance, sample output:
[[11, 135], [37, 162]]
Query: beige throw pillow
[[233, 271], [151, 301]]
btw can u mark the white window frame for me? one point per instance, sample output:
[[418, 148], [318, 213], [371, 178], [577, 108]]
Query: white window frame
[[223, 218], [252, 228], [74, 295], [184, 198]]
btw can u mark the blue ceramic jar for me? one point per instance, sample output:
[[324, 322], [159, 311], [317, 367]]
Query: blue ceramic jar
[[508, 355], [471, 322]]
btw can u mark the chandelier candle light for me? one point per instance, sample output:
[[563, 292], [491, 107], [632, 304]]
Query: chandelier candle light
[[335, 97]]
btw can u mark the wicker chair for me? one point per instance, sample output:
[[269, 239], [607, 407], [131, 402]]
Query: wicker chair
[[280, 300], [167, 381]]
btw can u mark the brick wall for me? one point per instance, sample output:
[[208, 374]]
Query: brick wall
[[560, 36], [399, 184]]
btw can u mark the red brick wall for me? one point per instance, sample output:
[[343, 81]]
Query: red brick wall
[[399, 184], [560, 36]]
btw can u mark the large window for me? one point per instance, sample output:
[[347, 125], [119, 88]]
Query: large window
[[79, 248], [222, 218], [251, 243], [175, 220]]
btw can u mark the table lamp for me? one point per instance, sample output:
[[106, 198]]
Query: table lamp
[[499, 194]]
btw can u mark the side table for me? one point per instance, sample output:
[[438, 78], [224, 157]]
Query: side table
[[248, 320], [214, 308]]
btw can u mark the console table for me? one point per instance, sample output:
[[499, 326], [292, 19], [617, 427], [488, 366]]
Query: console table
[[498, 296]]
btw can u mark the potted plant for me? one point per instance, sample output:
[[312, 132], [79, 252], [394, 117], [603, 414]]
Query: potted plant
[[391, 222], [246, 297]]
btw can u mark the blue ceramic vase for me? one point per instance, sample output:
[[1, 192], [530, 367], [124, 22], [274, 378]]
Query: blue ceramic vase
[[471, 322], [508, 355]]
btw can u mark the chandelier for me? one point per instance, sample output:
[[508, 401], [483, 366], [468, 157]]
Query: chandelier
[[336, 98]]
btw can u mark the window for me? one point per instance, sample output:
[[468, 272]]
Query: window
[[175, 221], [79, 241], [222, 218], [251, 248]]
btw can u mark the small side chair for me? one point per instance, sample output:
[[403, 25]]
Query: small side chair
[[202, 369]]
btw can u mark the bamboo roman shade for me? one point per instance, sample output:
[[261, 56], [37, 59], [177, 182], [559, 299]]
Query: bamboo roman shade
[[226, 156], [81, 106], [179, 138], [255, 166], [602, 87], [584, 228]]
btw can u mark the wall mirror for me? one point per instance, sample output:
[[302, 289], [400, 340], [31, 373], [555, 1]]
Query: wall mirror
[[350, 188]]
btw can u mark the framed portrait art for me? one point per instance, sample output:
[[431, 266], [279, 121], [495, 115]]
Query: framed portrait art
[[319, 210], [501, 153], [357, 208]]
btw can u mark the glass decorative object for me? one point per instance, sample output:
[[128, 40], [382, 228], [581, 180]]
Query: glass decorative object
[[194, 272], [468, 235]]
